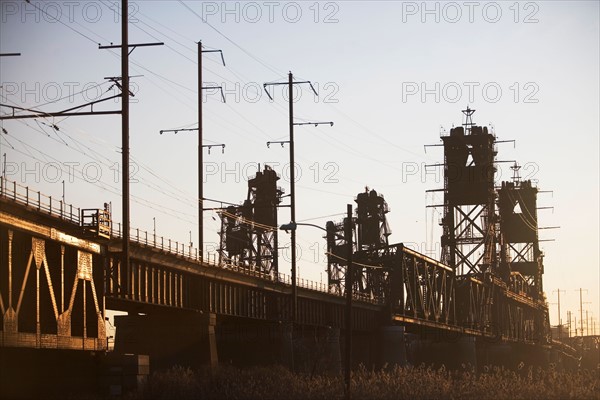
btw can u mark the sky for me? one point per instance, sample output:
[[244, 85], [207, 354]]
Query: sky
[[391, 75]]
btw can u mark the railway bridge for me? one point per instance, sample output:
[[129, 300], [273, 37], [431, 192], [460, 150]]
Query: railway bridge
[[61, 269]]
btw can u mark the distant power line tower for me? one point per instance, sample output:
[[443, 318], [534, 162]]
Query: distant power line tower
[[468, 238], [249, 232]]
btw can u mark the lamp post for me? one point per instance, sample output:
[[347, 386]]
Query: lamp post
[[348, 284]]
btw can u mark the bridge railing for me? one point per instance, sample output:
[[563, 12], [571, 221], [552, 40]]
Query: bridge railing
[[18, 193], [164, 244], [150, 239], [31, 198]]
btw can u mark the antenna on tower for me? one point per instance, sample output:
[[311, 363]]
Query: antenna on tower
[[516, 177], [468, 119]]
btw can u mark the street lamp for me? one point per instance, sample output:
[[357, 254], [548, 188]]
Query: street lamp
[[291, 226]]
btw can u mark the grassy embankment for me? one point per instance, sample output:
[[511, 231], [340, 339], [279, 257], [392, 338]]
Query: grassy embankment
[[398, 383]]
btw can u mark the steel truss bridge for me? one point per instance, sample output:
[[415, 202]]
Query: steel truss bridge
[[60, 273], [61, 269]]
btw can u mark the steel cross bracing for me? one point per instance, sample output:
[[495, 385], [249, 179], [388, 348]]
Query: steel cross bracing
[[248, 234], [51, 294], [411, 284]]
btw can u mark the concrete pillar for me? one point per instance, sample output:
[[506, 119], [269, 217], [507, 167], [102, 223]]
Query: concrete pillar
[[169, 339], [528, 354], [333, 354], [466, 351], [498, 354], [392, 349], [287, 345], [209, 322]]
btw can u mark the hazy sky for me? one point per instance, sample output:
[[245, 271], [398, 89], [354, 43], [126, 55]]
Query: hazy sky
[[391, 75]]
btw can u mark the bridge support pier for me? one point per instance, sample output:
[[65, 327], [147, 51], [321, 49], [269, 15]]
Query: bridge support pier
[[333, 353], [496, 354], [311, 350], [466, 351], [453, 351], [187, 340], [287, 346], [392, 348], [531, 354]]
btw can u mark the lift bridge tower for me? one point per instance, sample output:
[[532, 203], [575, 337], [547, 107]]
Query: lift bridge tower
[[468, 223], [249, 232], [521, 261], [370, 233]]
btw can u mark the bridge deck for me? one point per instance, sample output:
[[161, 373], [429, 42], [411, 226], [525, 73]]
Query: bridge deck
[[167, 276]]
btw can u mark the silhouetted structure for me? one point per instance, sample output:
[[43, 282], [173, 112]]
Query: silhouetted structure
[[483, 302], [521, 261], [249, 231]]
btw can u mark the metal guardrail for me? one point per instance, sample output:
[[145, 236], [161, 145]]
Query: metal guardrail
[[46, 204], [192, 254], [13, 191]]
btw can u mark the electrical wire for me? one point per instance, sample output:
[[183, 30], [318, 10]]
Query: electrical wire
[[231, 41], [60, 21], [247, 221], [172, 195], [160, 207]]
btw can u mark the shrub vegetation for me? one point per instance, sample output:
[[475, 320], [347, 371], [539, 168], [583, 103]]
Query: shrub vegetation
[[389, 383]]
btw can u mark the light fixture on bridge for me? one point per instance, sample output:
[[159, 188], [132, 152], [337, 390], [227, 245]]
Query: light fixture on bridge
[[288, 227]]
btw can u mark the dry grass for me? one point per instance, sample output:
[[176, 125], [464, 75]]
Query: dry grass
[[397, 383]]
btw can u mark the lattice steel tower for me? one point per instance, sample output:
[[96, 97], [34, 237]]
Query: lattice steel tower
[[468, 238], [370, 230], [249, 231], [521, 261]]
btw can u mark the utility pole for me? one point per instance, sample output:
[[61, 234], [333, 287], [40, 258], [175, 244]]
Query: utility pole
[[569, 321], [348, 285], [2, 184], [200, 158], [292, 171], [559, 320], [63, 206], [587, 326], [293, 196], [200, 177], [125, 93], [200, 145], [581, 303], [125, 131], [291, 84], [200, 161], [73, 111]]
